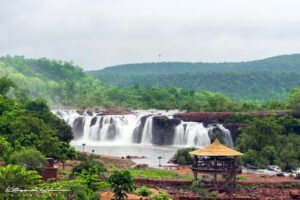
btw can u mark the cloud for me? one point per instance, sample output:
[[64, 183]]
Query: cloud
[[98, 33]]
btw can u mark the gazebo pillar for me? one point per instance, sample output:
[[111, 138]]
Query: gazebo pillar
[[215, 175], [195, 166]]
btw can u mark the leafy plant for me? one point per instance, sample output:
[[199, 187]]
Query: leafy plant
[[161, 196], [17, 176], [143, 191], [86, 165], [29, 158], [183, 157], [121, 182]]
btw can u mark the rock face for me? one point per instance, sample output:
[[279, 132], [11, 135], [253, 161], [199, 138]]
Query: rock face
[[115, 111], [206, 117], [138, 131], [163, 130]]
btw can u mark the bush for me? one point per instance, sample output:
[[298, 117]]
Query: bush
[[239, 118], [86, 165], [183, 157], [217, 135], [29, 158], [144, 192], [200, 188], [161, 196], [17, 176], [121, 182]]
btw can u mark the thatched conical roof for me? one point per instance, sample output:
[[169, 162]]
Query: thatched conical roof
[[216, 149]]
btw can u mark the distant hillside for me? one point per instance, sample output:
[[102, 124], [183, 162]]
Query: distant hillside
[[257, 81], [277, 63]]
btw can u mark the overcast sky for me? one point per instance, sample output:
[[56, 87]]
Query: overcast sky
[[99, 33]]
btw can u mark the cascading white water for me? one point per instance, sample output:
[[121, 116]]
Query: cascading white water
[[129, 129], [191, 134], [147, 131], [226, 135]]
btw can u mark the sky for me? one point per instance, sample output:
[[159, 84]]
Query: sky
[[98, 33]]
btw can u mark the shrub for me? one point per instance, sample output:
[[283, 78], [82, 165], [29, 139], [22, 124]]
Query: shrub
[[161, 196], [17, 176], [144, 192], [29, 158], [87, 165], [121, 182], [183, 157], [239, 118], [217, 135]]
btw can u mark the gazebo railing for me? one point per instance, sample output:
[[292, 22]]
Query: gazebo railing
[[215, 165]]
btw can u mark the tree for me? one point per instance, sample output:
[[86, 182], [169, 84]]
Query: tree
[[17, 176], [29, 158], [65, 152], [294, 101], [121, 182], [5, 85]]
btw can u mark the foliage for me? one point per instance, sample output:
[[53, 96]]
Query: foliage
[[200, 188], [217, 135], [161, 196], [271, 140], [74, 88], [294, 101], [29, 158], [143, 191], [17, 176], [5, 85], [86, 165], [158, 174], [183, 157], [239, 118], [269, 79], [121, 182], [91, 178]]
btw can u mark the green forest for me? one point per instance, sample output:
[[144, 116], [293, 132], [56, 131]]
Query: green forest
[[63, 84], [255, 81]]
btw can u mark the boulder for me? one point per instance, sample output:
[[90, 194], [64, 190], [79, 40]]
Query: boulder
[[133, 157], [143, 166], [89, 112], [80, 111], [280, 175], [297, 177]]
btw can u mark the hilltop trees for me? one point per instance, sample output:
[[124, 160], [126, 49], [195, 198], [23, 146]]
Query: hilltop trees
[[270, 141]]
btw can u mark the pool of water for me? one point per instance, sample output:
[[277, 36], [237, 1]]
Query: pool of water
[[150, 152]]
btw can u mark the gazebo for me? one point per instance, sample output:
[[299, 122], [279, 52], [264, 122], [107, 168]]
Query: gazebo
[[217, 159]]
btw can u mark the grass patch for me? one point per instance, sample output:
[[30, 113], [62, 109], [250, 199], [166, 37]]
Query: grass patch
[[241, 178], [64, 172], [158, 174], [144, 191], [110, 165]]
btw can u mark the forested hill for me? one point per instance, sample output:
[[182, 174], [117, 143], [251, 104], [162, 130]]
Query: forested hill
[[284, 63], [256, 81]]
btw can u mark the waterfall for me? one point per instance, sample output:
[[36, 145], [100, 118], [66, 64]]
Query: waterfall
[[191, 134], [138, 127], [147, 131], [226, 135]]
